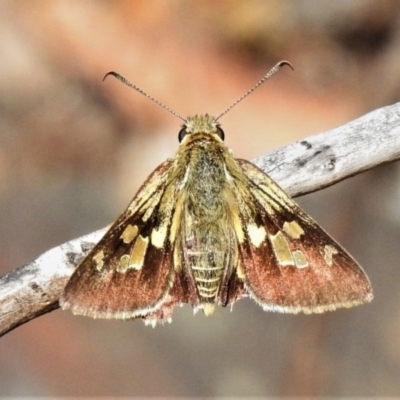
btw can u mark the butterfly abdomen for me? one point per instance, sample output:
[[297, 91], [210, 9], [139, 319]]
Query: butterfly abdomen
[[207, 260]]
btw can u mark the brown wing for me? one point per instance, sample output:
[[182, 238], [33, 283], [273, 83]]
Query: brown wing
[[177, 295], [289, 263], [129, 272]]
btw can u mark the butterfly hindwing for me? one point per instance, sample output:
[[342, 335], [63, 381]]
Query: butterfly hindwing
[[289, 263], [129, 272]]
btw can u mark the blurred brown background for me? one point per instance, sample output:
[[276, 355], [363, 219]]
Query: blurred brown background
[[74, 149]]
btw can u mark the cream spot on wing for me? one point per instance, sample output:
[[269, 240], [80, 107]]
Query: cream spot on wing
[[329, 252], [158, 236], [123, 265], [98, 260], [129, 233], [257, 234], [281, 249], [300, 259], [293, 229], [138, 253], [240, 273]]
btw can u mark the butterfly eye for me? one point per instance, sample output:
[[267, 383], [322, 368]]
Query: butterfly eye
[[182, 134], [220, 133]]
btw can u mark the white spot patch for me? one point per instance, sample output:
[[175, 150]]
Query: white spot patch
[[300, 259], [129, 233], [282, 250], [138, 253], [98, 260], [293, 229], [123, 263], [158, 236], [329, 252], [239, 272], [257, 234]]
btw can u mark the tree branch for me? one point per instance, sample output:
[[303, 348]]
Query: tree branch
[[302, 167]]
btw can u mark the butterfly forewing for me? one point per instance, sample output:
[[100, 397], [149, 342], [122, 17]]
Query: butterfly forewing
[[129, 272], [289, 263]]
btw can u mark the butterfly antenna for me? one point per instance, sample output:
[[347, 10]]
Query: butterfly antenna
[[271, 72], [130, 84]]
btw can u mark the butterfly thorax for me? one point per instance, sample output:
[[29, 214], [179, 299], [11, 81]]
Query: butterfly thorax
[[201, 159]]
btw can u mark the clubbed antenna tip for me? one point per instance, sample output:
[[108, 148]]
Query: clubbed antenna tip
[[271, 72], [130, 84]]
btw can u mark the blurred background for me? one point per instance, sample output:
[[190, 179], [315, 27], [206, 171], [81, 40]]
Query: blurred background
[[74, 150]]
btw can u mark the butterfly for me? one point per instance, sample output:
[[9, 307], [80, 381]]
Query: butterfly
[[207, 229]]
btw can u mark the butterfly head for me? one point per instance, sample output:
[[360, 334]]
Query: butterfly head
[[201, 124]]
